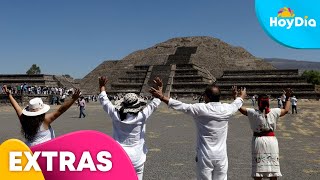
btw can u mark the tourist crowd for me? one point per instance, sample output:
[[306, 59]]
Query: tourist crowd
[[34, 89], [129, 114]]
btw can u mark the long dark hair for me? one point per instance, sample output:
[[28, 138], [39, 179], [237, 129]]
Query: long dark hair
[[263, 103], [30, 125]]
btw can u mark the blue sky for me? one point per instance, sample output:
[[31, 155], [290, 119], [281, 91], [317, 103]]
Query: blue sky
[[74, 36]]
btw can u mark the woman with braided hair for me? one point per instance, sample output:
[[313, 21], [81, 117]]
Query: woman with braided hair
[[265, 150]]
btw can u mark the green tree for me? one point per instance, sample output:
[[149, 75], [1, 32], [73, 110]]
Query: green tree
[[312, 76], [34, 69]]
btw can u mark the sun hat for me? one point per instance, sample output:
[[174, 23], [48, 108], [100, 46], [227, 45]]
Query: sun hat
[[36, 107], [130, 103]]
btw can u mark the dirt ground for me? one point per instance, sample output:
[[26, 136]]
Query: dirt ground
[[171, 140]]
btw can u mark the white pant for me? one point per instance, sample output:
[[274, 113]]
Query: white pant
[[212, 169], [139, 171]]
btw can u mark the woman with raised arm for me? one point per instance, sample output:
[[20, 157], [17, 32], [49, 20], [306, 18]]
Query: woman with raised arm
[[129, 116], [35, 121], [265, 150]]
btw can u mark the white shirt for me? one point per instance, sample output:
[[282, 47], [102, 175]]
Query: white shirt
[[259, 123], [294, 101], [43, 135], [130, 133], [212, 125]]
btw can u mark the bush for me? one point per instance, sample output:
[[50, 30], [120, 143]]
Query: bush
[[312, 76]]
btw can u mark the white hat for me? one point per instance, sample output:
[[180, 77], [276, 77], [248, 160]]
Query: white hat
[[130, 103], [36, 107]]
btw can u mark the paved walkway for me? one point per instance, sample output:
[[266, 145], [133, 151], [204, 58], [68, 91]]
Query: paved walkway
[[171, 141]]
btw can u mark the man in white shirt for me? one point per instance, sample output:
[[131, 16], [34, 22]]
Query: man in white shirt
[[294, 104], [211, 120]]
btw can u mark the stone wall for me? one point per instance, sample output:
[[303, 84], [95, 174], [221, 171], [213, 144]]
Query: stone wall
[[271, 82], [112, 69], [35, 80], [23, 100]]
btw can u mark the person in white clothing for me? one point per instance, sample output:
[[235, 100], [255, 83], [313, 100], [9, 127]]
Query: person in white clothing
[[211, 120], [283, 100], [294, 101], [265, 150], [129, 116], [34, 119]]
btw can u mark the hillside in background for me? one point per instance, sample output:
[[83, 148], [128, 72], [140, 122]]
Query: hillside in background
[[293, 64]]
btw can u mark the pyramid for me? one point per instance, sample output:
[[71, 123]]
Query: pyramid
[[186, 65]]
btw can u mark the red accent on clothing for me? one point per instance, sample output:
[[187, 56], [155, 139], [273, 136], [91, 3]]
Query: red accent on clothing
[[266, 133]]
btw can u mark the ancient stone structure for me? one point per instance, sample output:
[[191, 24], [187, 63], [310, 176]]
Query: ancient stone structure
[[37, 80], [25, 98], [271, 82], [34, 80], [187, 65], [178, 74]]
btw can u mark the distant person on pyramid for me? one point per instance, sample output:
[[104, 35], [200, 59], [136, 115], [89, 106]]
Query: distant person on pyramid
[[129, 116], [211, 120], [35, 119], [265, 150]]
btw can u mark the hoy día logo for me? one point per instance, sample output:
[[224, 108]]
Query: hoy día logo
[[287, 19]]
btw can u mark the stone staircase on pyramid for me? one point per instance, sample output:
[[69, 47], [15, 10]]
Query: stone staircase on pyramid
[[131, 81], [66, 82], [179, 76], [271, 82], [190, 79], [34, 80]]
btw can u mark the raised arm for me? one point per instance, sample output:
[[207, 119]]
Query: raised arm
[[103, 98], [243, 111], [151, 107], [13, 102], [50, 117], [288, 93], [157, 90], [239, 95], [177, 105], [243, 94]]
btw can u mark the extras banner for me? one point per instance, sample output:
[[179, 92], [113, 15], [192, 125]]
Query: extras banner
[[85, 155], [293, 23]]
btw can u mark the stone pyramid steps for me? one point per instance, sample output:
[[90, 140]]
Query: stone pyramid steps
[[271, 82], [34, 80], [289, 79], [178, 75], [66, 82], [190, 79]]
